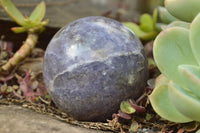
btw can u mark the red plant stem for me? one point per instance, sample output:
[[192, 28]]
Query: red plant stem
[[137, 107], [22, 53]]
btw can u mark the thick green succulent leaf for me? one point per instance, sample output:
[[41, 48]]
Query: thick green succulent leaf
[[18, 29], [178, 24], [184, 101], [165, 16], [13, 12], [195, 37], [163, 106], [38, 13], [146, 23], [135, 28], [191, 77], [126, 107], [161, 80], [171, 49], [183, 9]]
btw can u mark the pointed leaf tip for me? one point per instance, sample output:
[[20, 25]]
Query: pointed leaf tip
[[38, 13], [13, 12]]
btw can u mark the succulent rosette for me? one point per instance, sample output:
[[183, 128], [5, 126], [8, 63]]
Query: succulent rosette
[[176, 96]]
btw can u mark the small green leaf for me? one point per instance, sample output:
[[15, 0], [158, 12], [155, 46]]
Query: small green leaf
[[148, 117], [184, 101], [38, 14], [13, 12], [164, 107], [134, 127], [146, 23], [126, 107], [3, 88], [18, 29], [47, 96], [135, 29], [9, 89]]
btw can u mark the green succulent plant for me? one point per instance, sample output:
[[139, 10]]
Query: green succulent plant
[[33, 25], [176, 51], [147, 29]]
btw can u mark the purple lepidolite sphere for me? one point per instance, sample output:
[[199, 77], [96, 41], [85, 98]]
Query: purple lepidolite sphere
[[91, 65]]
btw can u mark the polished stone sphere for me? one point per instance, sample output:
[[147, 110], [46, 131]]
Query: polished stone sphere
[[91, 65]]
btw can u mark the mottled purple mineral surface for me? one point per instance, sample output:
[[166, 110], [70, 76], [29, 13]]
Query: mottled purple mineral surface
[[91, 65]]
